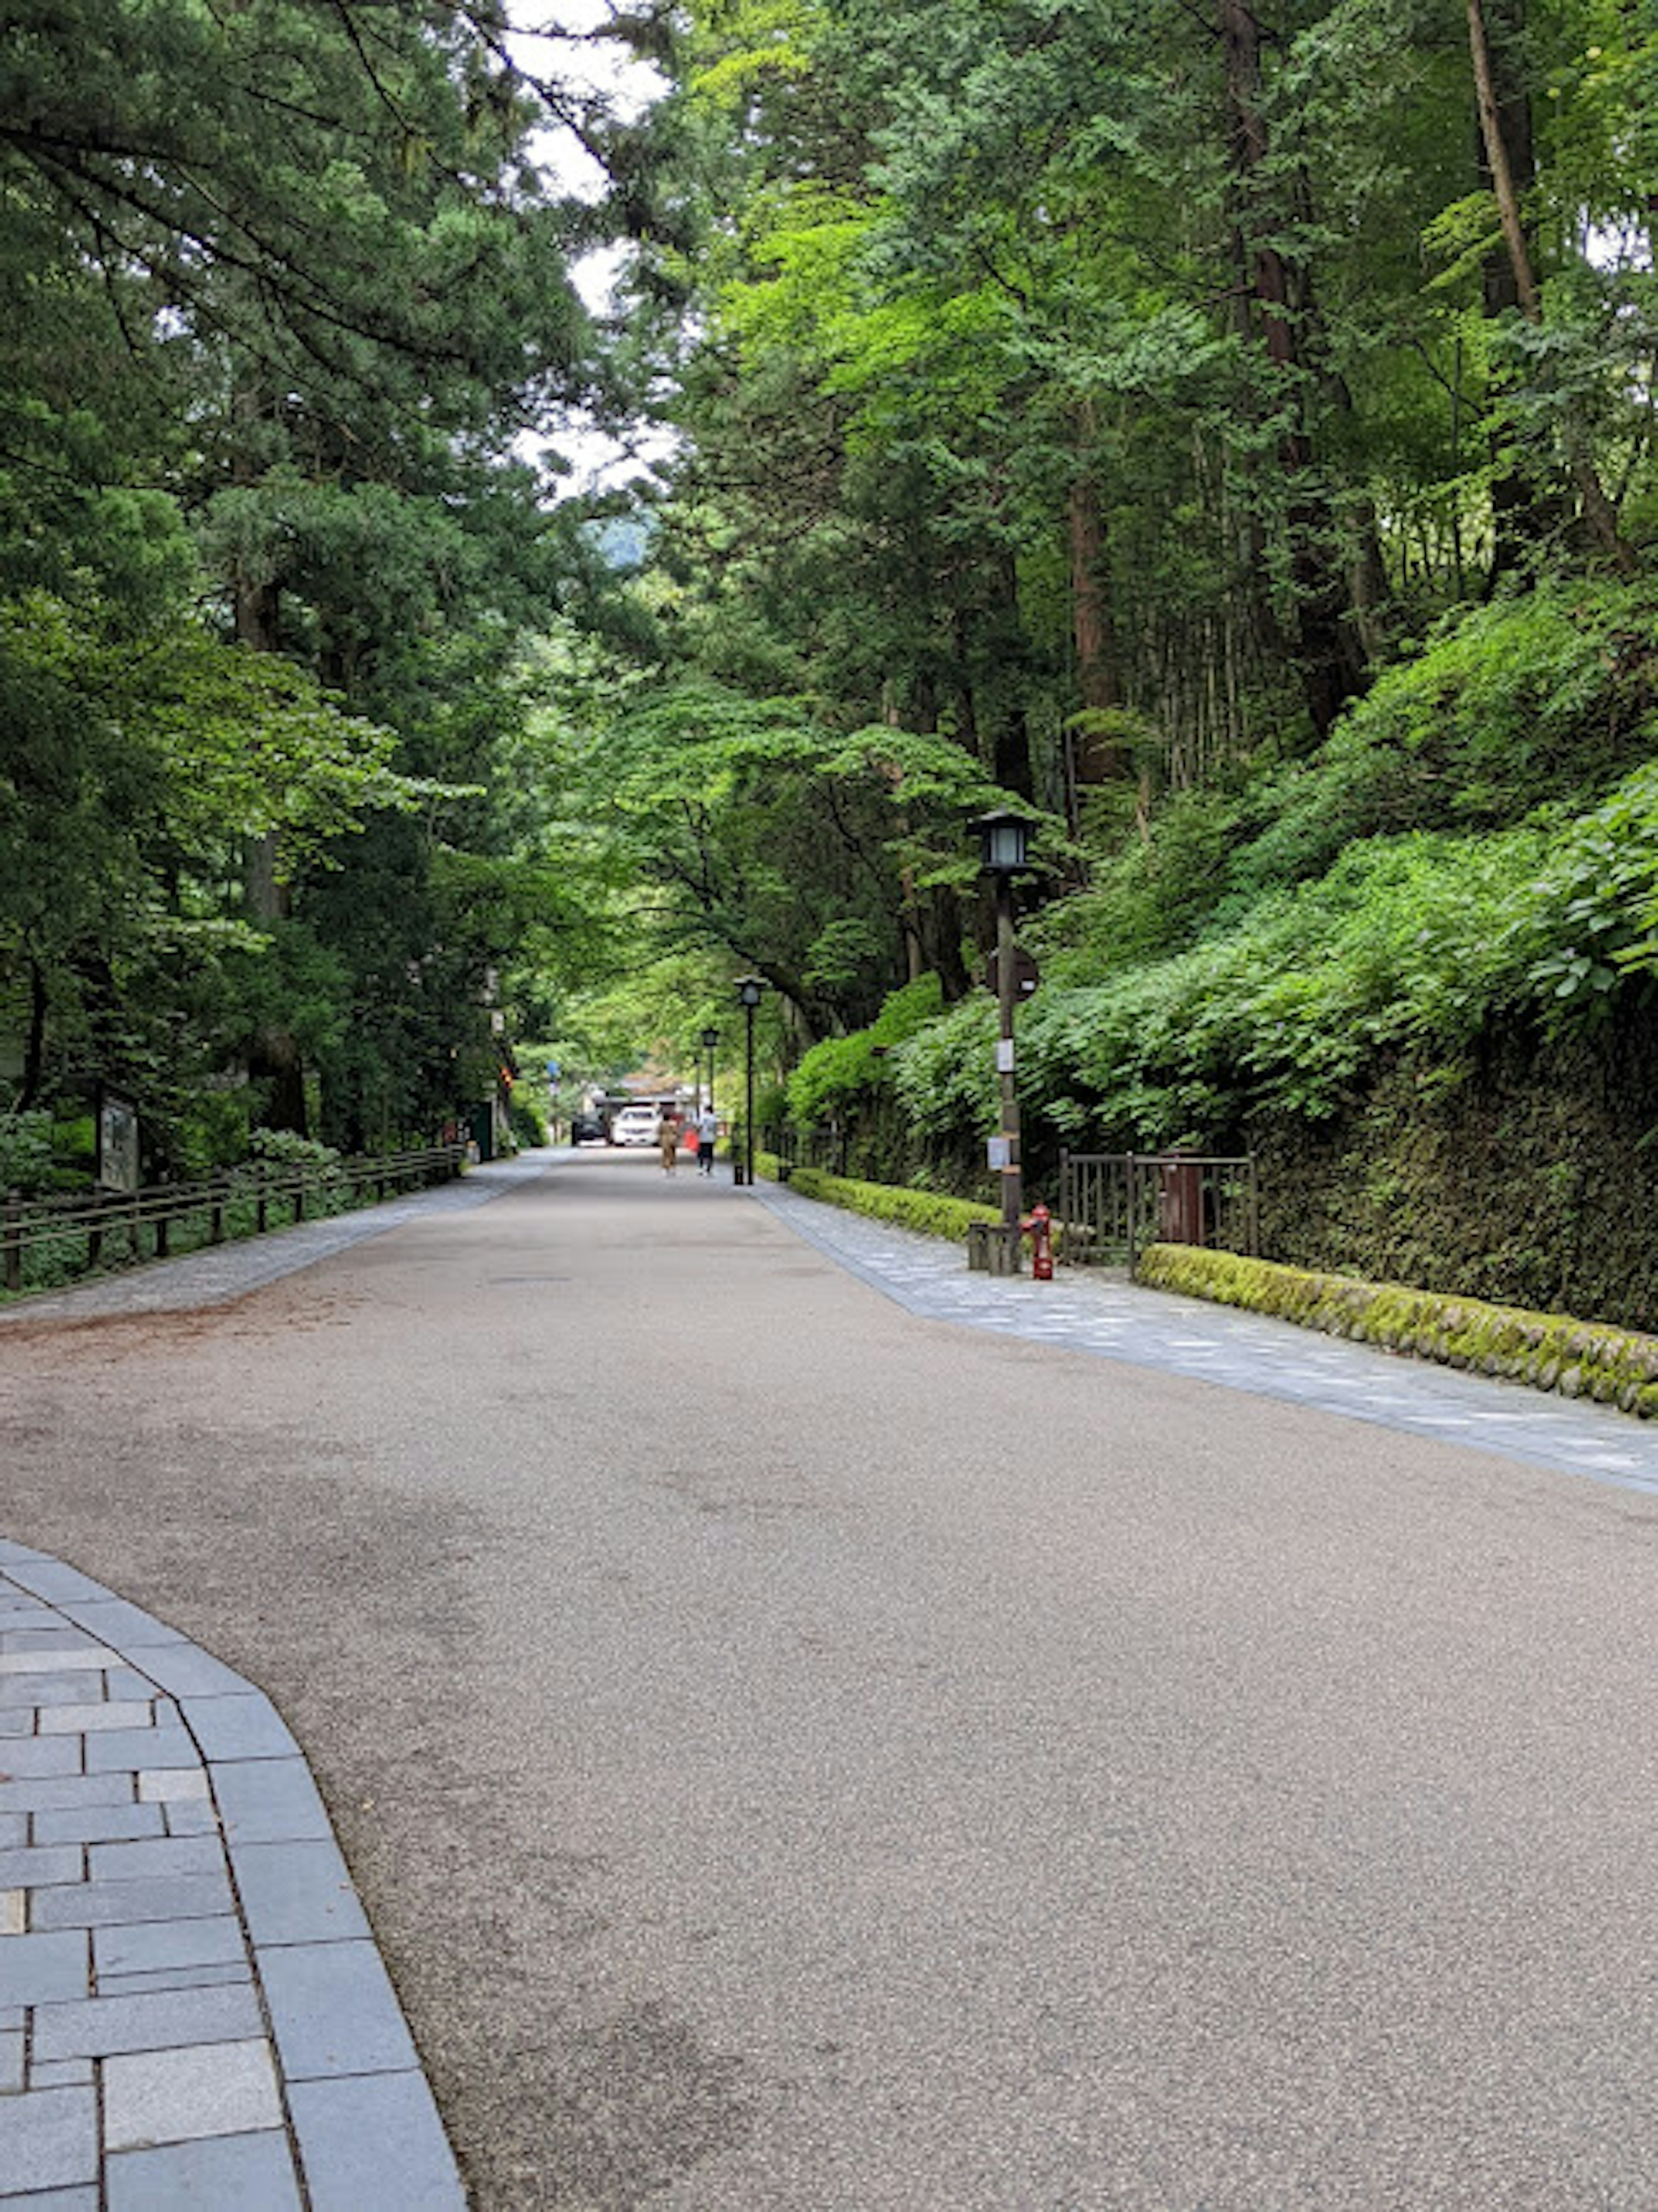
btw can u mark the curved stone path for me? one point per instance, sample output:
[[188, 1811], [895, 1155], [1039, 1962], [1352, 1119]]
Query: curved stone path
[[192, 2010], [193, 2007]]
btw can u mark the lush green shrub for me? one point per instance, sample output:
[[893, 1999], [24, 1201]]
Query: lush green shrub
[[26, 1152], [529, 1119], [833, 1076], [929, 1212]]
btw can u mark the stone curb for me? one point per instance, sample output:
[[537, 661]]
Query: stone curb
[[193, 2008]]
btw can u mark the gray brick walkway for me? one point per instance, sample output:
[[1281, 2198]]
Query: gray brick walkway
[[1103, 1314], [192, 2009]]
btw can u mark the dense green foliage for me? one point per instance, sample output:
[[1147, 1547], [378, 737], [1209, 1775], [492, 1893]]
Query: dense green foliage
[[1230, 439], [279, 287]]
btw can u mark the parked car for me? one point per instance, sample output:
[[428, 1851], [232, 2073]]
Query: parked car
[[588, 1129], [634, 1124]]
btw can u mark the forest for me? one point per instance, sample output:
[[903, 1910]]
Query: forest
[[1225, 433]]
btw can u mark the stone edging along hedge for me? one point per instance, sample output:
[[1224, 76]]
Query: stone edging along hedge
[[1580, 1359]]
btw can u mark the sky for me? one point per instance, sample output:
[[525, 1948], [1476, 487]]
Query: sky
[[556, 39]]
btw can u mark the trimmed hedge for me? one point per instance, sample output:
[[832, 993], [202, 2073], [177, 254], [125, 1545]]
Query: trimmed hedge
[[1552, 1351], [930, 1212]]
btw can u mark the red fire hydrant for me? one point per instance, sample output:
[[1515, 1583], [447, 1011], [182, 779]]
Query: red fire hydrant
[[1039, 1228]]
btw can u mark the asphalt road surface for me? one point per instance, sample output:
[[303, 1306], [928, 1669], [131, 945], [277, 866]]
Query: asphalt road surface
[[799, 1755]]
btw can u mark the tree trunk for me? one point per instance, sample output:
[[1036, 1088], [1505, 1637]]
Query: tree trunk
[[1277, 312], [1505, 134], [273, 1060], [1097, 757]]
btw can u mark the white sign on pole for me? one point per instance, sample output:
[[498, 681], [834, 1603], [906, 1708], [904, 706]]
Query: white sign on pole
[[1000, 1154], [1005, 1055]]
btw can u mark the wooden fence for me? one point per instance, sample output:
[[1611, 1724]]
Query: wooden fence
[[94, 1229], [1112, 1204]]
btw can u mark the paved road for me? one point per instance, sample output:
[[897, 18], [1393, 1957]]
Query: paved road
[[796, 1753]]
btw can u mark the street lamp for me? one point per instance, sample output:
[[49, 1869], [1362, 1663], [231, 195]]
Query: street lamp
[[1003, 846], [710, 1039], [750, 989]]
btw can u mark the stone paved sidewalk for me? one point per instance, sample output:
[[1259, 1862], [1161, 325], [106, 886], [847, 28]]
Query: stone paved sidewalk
[[192, 2010], [227, 1271], [1101, 1313]]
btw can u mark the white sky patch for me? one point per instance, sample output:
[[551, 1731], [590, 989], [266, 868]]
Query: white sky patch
[[564, 46]]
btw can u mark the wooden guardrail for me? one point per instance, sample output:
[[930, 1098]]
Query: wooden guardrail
[[85, 1230]]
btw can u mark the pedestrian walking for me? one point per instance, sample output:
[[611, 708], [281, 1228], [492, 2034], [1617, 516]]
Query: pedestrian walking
[[707, 1130], [667, 1138]]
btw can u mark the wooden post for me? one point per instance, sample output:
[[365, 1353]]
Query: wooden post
[[12, 1242]]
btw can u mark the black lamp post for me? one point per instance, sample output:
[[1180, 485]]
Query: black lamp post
[[750, 991], [710, 1039], [1004, 848]]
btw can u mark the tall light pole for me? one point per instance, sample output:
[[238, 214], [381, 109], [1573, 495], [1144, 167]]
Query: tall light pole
[[1004, 845], [710, 1039], [750, 991]]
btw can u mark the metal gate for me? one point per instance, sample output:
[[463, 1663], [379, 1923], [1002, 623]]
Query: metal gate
[[1112, 1204]]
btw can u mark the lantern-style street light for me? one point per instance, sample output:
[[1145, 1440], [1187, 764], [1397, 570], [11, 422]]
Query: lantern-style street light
[[750, 989], [1004, 851], [710, 1039]]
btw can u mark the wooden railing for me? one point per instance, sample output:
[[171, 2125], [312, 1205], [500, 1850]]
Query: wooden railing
[[1112, 1204], [93, 1229]]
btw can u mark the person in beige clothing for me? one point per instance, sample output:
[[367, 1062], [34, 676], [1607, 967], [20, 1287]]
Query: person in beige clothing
[[667, 1138]]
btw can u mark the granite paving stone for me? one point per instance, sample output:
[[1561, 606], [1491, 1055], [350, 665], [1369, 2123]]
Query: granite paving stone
[[61, 2074], [24, 1869], [121, 1682], [45, 1969], [297, 1892], [167, 1785], [268, 1801], [172, 1978], [113, 1617], [67, 1659], [53, 2200], [191, 1818], [190, 1672], [153, 2022], [129, 1749], [250, 2173], [159, 1855], [58, 1584], [38, 1690], [100, 1903], [65, 1720], [334, 2010], [109, 1819], [41, 1755], [49, 2138], [239, 1728], [375, 2141], [11, 2065], [48, 1793], [194, 2090], [165, 1943]]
